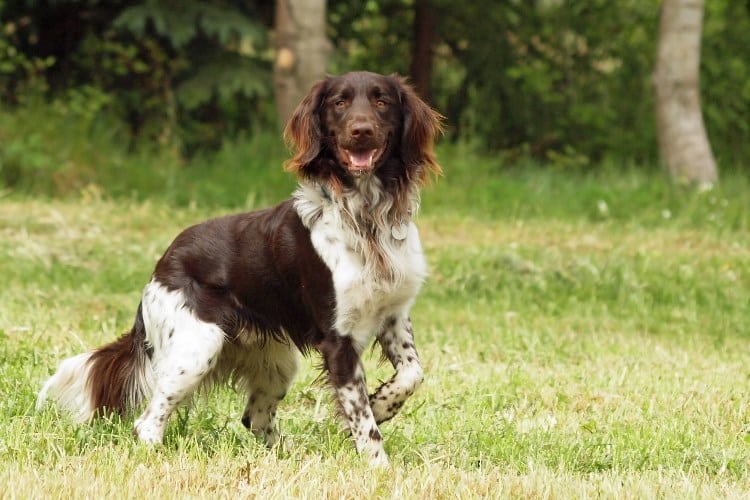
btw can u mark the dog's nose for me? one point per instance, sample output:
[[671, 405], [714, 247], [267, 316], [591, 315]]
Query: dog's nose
[[362, 129]]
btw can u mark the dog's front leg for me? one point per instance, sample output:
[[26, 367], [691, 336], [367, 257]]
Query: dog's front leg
[[397, 342], [347, 376]]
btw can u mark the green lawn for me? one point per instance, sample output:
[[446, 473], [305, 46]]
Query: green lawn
[[582, 335]]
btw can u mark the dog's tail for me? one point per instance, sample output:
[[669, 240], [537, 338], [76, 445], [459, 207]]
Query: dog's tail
[[116, 377]]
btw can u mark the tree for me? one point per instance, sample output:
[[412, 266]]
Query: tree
[[425, 24], [683, 143], [301, 51]]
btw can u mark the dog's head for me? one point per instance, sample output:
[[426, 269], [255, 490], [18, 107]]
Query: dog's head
[[363, 123]]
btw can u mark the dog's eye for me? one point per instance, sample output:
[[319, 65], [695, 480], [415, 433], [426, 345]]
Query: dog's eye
[[340, 103], [380, 103]]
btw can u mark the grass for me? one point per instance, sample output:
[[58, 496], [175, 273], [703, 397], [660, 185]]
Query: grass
[[583, 335]]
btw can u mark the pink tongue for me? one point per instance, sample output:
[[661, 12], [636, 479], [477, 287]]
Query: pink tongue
[[361, 159]]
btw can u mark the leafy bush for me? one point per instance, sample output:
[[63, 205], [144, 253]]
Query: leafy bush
[[186, 74], [725, 80]]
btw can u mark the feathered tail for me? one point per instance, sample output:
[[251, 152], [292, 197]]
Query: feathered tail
[[116, 377]]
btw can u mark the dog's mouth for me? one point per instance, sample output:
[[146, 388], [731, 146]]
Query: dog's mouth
[[361, 161]]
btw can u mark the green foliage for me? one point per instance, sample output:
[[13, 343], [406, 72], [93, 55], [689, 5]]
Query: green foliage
[[20, 74], [184, 74], [139, 72], [214, 60], [725, 80], [554, 80], [547, 79], [567, 83], [224, 45], [57, 147], [72, 147], [181, 22], [371, 35]]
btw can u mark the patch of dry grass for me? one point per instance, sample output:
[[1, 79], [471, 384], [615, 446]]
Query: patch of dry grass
[[563, 359]]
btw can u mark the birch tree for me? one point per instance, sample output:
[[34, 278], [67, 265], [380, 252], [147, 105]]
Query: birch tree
[[302, 51], [683, 143]]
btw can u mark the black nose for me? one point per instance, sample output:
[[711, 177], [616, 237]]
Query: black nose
[[362, 129]]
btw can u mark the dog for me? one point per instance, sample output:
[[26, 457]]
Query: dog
[[333, 269]]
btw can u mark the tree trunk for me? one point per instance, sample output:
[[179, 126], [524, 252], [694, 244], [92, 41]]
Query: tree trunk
[[683, 143], [425, 20], [301, 51]]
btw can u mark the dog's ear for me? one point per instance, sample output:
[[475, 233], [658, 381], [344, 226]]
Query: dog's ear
[[303, 133], [421, 126]]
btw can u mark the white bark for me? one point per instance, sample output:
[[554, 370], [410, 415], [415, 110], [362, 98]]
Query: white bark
[[301, 51], [683, 143]]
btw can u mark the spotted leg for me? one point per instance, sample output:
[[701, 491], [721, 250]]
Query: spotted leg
[[397, 342], [268, 381], [347, 376], [182, 361]]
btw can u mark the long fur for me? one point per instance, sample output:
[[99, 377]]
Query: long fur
[[333, 269], [123, 364]]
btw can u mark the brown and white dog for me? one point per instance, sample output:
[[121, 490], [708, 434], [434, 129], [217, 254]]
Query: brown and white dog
[[334, 268]]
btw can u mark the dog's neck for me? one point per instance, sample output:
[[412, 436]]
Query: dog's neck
[[376, 223], [365, 204]]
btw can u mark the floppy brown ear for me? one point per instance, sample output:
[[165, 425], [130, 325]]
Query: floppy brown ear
[[302, 132], [421, 126]]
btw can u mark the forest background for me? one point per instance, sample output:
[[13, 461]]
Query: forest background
[[563, 84]]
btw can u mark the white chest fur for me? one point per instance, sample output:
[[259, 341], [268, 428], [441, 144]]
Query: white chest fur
[[376, 275]]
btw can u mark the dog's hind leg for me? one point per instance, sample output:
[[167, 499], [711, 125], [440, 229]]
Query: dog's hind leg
[[268, 378], [397, 342], [185, 350]]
